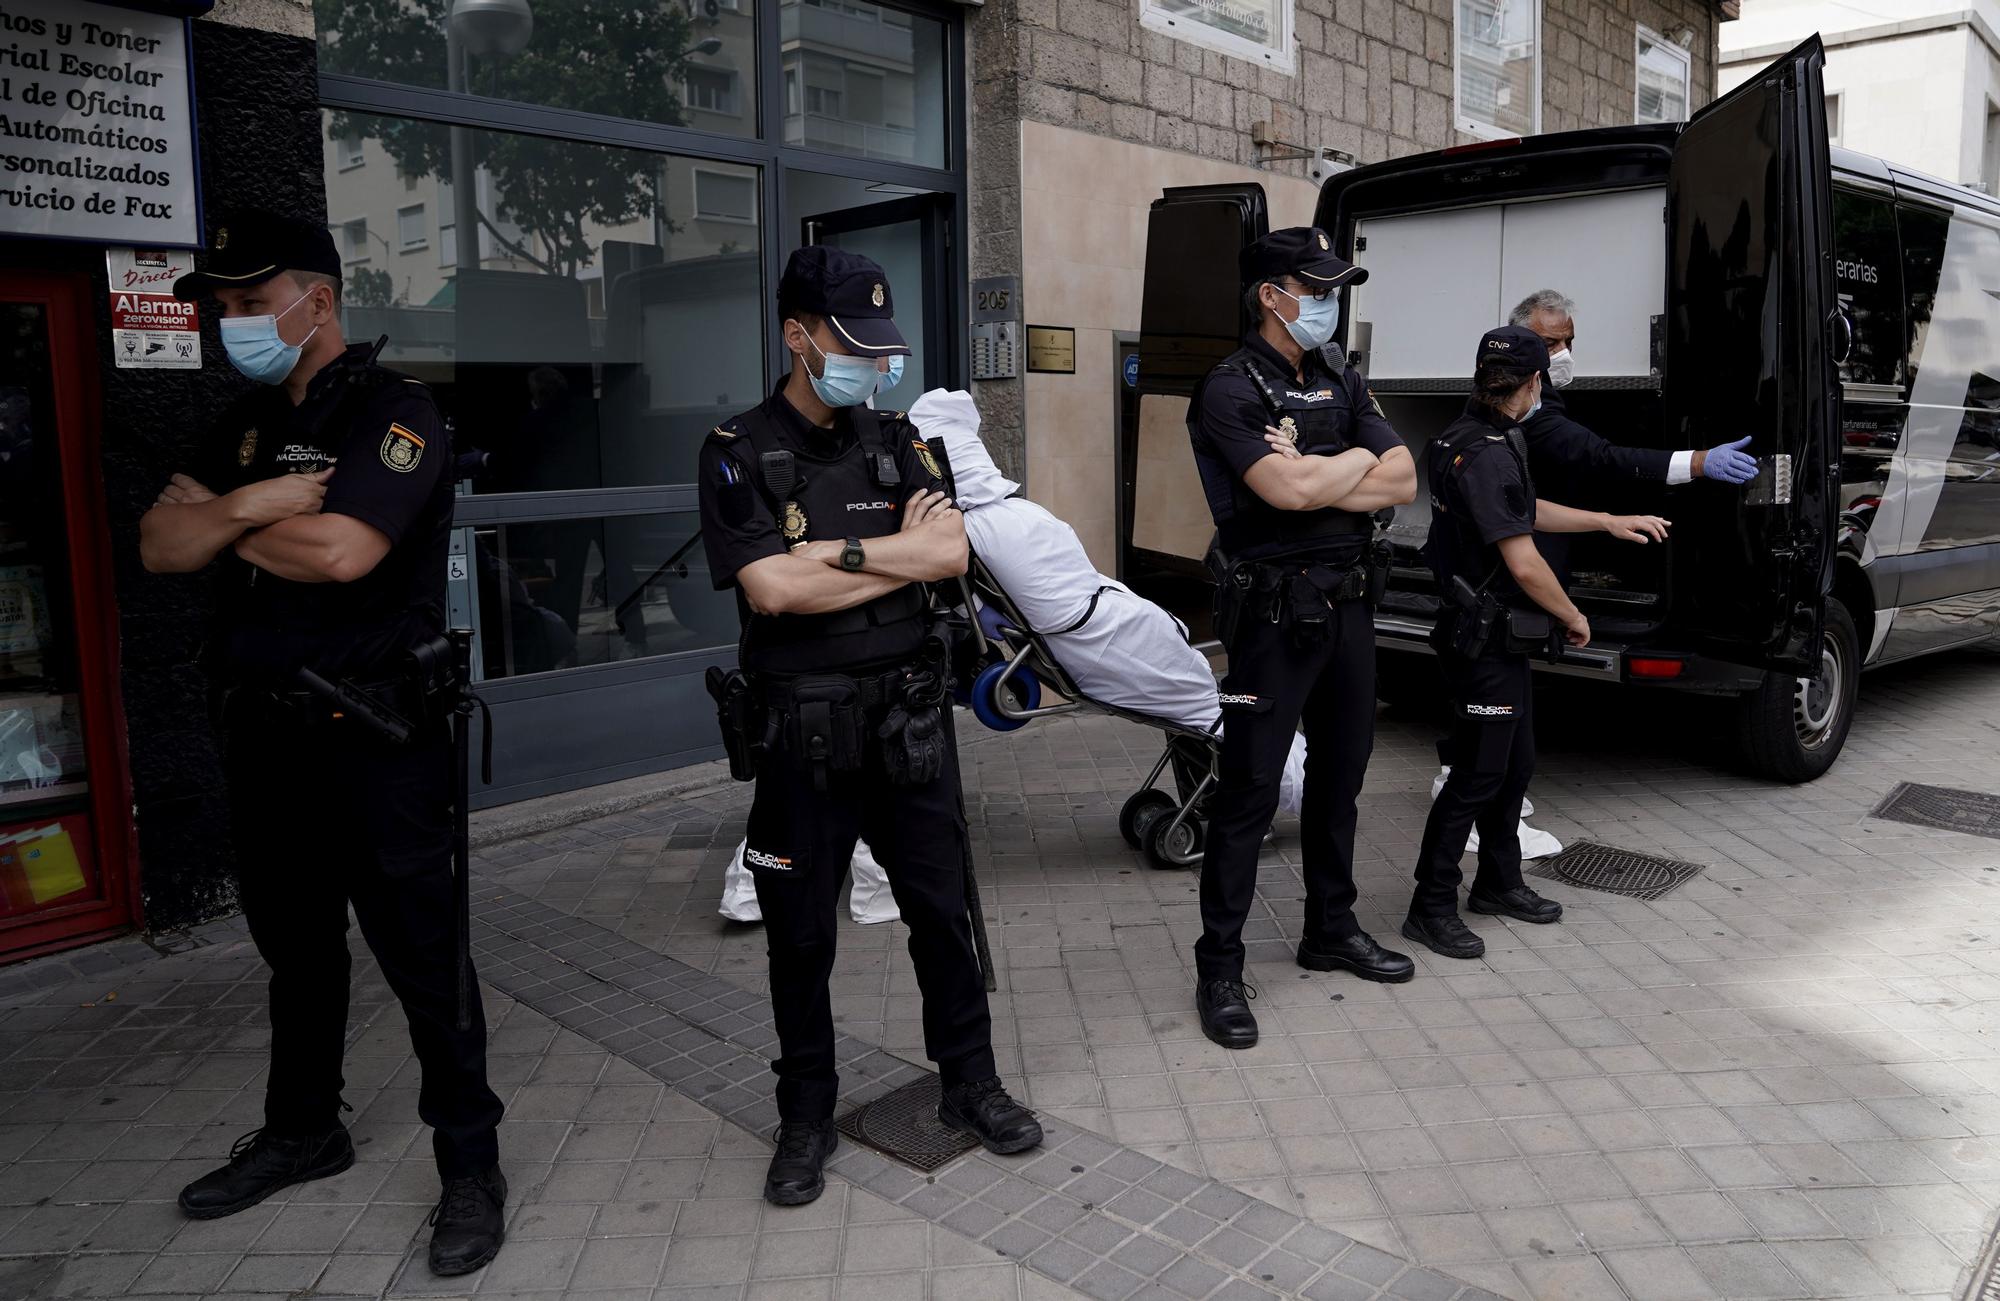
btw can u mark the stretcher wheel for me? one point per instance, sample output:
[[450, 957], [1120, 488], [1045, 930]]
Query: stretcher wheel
[[1024, 688], [1173, 848], [1138, 814]]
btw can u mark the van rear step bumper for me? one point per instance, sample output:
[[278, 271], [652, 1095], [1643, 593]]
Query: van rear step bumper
[[1601, 661]]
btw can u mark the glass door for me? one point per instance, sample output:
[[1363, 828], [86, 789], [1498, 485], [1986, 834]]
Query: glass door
[[904, 237], [64, 795]]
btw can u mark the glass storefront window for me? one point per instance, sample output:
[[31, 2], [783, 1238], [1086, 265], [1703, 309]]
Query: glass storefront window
[[585, 315], [568, 593], [864, 79], [670, 62], [45, 849]]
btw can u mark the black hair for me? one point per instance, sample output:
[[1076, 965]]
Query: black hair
[[1253, 301], [1494, 382], [793, 312]]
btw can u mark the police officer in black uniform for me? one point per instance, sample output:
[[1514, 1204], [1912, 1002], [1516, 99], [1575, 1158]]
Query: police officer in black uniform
[[828, 518], [1501, 604], [325, 494], [1294, 456]]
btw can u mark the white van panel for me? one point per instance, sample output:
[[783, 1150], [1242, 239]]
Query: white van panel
[[1432, 277], [1436, 280]]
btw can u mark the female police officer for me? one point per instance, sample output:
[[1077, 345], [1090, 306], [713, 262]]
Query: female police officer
[[1501, 604], [1291, 554], [828, 518]]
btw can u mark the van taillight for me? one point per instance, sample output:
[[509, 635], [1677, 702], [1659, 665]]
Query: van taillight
[[1655, 668]]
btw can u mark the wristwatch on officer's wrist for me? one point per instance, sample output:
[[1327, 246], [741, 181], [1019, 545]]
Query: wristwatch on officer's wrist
[[851, 556]]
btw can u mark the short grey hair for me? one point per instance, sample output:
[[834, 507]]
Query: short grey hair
[[1542, 300]]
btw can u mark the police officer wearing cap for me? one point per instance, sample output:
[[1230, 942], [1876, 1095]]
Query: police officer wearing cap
[[828, 518], [324, 499], [1294, 456], [1501, 605]]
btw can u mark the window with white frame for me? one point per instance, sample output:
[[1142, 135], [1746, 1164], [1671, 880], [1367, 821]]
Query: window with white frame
[[411, 233], [1663, 79], [1833, 118], [711, 90], [348, 152], [354, 240], [725, 196], [1499, 68], [1989, 172], [1257, 30]]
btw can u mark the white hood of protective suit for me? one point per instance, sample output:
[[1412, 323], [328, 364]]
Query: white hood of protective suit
[[949, 414]]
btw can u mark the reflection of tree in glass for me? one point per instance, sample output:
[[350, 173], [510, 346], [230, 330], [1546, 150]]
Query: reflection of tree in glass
[[601, 56], [369, 287]]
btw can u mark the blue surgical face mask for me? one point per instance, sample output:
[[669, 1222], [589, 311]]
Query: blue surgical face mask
[[846, 381], [1531, 411], [893, 376], [1317, 320], [255, 348]]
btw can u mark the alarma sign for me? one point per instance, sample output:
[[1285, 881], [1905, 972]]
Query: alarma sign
[[150, 328]]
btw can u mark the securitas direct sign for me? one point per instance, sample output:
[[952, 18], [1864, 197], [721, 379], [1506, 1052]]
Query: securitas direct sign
[[96, 124]]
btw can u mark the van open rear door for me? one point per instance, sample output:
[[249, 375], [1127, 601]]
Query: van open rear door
[[1749, 350], [1190, 319]]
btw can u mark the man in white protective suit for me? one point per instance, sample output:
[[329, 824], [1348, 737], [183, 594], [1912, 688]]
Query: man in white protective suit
[[1129, 652]]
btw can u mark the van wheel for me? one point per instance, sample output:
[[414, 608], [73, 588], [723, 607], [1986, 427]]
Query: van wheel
[[1792, 729], [1409, 682]]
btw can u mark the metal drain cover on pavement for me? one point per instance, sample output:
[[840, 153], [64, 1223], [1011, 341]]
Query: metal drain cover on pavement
[[1616, 871], [1973, 812], [904, 1125]]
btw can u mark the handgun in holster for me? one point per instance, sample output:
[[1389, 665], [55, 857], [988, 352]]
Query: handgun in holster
[[1474, 613], [740, 717]]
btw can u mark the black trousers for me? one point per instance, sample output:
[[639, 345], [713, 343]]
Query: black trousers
[[1272, 684], [1491, 751], [327, 816], [801, 841]]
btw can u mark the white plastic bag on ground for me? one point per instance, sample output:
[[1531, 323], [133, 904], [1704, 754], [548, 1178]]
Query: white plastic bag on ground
[[1534, 843], [869, 900]]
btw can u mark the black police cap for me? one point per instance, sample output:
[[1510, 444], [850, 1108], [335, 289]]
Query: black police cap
[[1302, 251], [850, 291], [1514, 347], [251, 245]]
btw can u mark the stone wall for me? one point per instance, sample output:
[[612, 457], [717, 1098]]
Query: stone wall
[[1375, 78]]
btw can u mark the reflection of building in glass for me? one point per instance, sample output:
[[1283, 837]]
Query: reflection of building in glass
[[852, 73], [1496, 72]]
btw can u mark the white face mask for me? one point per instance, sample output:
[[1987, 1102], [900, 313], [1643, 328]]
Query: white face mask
[[1562, 368]]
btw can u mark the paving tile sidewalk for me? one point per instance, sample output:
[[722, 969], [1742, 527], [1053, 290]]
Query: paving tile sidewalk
[[1777, 1082]]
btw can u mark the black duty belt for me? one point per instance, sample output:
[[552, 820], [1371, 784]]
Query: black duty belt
[[878, 690]]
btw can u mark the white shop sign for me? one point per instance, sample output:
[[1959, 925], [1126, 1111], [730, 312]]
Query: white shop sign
[[96, 125]]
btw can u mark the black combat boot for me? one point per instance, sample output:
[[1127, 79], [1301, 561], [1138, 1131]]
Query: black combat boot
[[1520, 903], [469, 1222], [1224, 1008], [797, 1173], [983, 1109], [260, 1164], [1445, 934], [1360, 954]]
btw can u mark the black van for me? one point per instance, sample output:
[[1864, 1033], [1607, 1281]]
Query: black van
[[1732, 275]]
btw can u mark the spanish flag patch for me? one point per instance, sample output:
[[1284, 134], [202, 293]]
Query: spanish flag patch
[[401, 449]]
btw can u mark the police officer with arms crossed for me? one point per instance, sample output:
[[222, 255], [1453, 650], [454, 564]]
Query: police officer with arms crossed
[[828, 518], [326, 494], [1501, 604], [1294, 456]]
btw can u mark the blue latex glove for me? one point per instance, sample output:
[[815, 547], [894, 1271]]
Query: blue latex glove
[[1729, 463]]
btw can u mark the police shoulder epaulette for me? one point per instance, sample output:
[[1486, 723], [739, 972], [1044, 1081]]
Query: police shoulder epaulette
[[903, 416], [720, 432]]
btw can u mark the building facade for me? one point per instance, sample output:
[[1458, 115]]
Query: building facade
[[568, 218], [1914, 81]]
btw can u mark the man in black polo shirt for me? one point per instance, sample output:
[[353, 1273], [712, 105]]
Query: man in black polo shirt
[[1294, 458], [325, 494]]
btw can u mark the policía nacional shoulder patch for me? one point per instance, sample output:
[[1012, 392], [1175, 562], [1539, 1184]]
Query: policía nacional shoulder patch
[[401, 449], [924, 456]]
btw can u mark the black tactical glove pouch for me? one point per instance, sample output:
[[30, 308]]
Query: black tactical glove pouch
[[912, 734]]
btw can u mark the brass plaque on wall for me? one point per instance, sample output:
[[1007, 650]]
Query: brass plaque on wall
[[1052, 349]]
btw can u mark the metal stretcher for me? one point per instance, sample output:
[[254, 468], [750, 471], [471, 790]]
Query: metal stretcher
[[1000, 664]]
